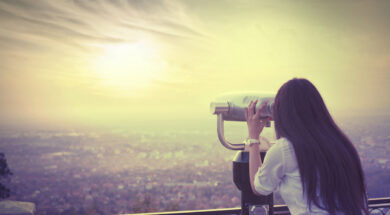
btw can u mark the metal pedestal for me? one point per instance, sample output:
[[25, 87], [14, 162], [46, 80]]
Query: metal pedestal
[[241, 180]]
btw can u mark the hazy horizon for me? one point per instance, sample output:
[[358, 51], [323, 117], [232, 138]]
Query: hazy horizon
[[118, 63]]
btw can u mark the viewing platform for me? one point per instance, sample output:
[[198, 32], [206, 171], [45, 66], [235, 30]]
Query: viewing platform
[[377, 206]]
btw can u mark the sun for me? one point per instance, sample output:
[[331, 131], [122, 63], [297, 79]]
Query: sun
[[128, 66]]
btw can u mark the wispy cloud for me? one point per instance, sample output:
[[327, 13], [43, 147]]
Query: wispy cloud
[[97, 21]]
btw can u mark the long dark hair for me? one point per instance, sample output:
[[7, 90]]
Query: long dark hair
[[327, 160]]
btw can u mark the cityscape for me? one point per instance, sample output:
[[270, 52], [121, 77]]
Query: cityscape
[[74, 172]]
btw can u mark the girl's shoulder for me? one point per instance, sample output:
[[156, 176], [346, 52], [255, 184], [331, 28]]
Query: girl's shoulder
[[285, 148], [282, 144], [280, 147]]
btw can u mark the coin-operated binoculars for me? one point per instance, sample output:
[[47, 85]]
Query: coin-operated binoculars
[[230, 107]]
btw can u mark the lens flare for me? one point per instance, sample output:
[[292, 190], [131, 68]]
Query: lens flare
[[128, 66]]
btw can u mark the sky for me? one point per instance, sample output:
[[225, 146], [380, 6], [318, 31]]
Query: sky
[[120, 63]]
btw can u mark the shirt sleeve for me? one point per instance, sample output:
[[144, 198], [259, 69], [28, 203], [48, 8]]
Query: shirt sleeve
[[270, 174]]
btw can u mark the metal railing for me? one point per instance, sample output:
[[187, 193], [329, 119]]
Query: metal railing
[[377, 206]]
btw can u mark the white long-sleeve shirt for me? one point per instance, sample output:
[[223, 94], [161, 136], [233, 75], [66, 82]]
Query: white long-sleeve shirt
[[280, 171]]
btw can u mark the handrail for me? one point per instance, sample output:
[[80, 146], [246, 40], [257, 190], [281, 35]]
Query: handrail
[[374, 204]]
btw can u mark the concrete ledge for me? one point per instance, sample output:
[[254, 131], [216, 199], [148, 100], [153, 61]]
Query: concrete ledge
[[16, 208]]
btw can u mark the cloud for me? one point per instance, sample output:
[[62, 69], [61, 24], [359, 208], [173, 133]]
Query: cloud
[[162, 32], [82, 23], [55, 29], [7, 42]]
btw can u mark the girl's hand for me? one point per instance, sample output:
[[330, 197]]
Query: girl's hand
[[255, 125]]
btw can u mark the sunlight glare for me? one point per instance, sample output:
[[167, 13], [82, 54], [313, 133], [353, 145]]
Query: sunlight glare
[[128, 66]]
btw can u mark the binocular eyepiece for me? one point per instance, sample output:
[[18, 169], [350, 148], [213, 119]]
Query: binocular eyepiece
[[231, 107]]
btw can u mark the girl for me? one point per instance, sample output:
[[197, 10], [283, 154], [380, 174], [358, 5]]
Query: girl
[[313, 163]]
